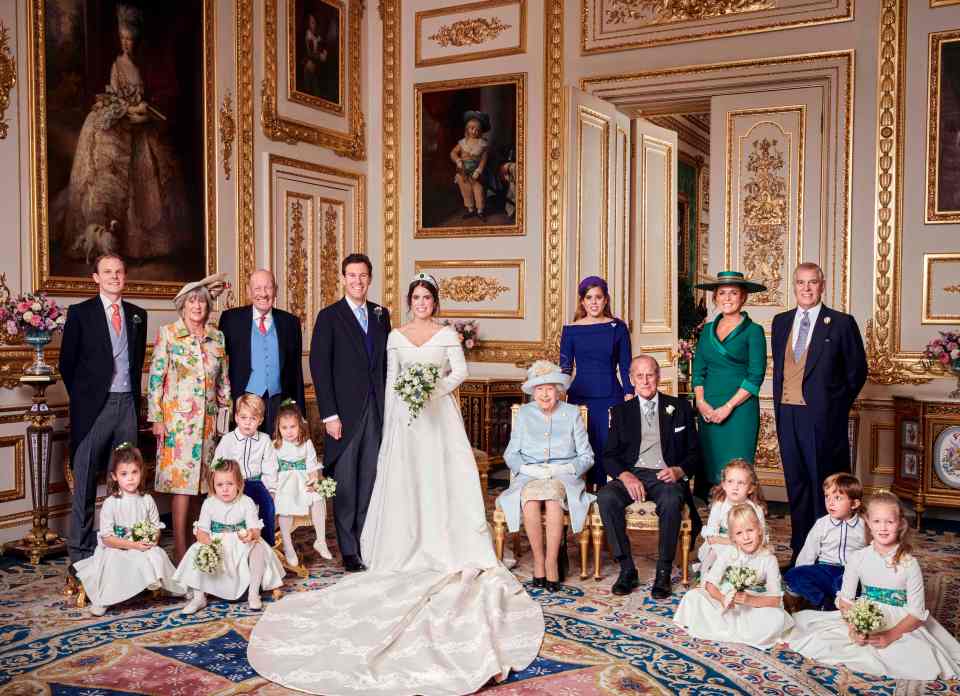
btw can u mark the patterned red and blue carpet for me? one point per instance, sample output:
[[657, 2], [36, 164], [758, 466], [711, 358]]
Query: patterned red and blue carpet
[[595, 643]]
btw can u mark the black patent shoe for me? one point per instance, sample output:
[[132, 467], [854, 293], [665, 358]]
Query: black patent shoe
[[553, 585], [539, 582], [626, 583], [469, 214], [662, 588]]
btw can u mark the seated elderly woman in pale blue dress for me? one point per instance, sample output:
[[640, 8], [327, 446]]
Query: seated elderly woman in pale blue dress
[[549, 452]]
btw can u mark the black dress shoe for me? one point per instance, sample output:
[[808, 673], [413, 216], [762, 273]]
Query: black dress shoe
[[662, 588], [353, 564], [553, 585], [626, 583], [539, 582]]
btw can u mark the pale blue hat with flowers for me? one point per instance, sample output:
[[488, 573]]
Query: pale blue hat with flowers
[[545, 372]]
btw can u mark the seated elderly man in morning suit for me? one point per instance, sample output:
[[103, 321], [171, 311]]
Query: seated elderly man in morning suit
[[652, 451]]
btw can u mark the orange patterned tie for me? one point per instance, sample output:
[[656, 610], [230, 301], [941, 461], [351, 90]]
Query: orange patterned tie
[[115, 319]]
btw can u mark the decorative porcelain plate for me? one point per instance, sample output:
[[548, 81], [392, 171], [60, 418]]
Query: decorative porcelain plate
[[946, 456]]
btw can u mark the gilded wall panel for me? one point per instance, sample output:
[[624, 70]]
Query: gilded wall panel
[[764, 197], [617, 25], [470, 31], [941, 289], [656, 224], [487, 288], [13, 470]]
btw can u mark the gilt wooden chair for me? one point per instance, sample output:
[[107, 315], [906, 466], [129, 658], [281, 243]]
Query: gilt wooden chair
[[641, 517], [500, 520]]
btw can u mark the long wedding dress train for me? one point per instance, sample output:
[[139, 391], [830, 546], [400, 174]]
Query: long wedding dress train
[[436, 613]]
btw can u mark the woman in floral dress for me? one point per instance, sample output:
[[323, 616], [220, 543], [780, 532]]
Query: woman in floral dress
[[188, 385]]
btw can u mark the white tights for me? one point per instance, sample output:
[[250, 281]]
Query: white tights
[[318, 514]]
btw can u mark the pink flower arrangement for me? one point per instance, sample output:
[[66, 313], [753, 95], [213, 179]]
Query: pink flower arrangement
[[466, 331], [944, 351], [30, 312], [685, 349]]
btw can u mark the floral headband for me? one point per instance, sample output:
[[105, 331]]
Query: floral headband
[[426, 278]]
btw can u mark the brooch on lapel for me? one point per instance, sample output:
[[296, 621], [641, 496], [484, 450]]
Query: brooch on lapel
[[670, 409], [826, 320]]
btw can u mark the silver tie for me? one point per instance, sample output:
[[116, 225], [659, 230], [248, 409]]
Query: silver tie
[[801, 344]]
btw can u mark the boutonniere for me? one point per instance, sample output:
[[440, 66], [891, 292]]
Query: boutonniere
[[377, 310], [826, 320], [670, 409], [137, 320]]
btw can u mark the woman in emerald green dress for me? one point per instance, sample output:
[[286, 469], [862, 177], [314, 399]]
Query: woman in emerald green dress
[[728, 369]]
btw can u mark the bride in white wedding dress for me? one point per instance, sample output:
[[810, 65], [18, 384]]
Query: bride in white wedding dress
[[435, 613]]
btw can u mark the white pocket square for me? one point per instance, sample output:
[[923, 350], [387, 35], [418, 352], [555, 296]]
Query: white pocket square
[[682, 427]]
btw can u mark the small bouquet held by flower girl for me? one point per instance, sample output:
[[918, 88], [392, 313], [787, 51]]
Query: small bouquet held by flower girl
[[415, 385], [209, 557], [145, 531], [737, 579], [326, 487], [865, 617]]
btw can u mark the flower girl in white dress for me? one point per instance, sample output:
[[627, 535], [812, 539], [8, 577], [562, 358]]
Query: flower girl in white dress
[[721, 611], [247, 563], [125, 564], [738, 484], [292, 463], [911, 644]]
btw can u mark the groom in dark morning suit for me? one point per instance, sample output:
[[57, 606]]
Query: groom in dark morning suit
[[819, 367], [101, 361], [348, 361]]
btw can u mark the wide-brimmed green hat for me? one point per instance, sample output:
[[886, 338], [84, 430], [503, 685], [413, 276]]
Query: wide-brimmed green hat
[[731, 278]]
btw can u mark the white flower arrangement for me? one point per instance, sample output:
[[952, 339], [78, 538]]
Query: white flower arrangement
[[415, 385], [865, 617], [209, 557], [326, 487], [145, 531]]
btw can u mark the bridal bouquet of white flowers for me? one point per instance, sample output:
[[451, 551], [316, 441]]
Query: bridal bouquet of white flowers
[[865, 617], [145, 531], [415, 385], [209, 557]]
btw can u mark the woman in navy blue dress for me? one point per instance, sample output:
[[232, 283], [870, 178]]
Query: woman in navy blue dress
[[596, 344]]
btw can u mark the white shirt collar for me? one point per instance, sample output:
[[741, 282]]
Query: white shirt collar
[[853, 521], [107, 302], [241, 437], [268, 314], [354, 306], [813, 313], [654, 400]]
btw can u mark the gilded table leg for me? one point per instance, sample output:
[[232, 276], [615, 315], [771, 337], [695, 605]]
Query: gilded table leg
[[499, 532], [685, 556], [584, 544], [596, 536]]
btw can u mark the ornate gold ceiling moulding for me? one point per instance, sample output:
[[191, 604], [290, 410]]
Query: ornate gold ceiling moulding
[[246, 248], [518, 352], [650, 21], [664, 11], [471, 288], [8, 77], [884, 367], [350, 144], [469, 32], [228, 131]]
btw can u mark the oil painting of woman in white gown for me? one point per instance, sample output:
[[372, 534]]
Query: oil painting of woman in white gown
[[435, 613]]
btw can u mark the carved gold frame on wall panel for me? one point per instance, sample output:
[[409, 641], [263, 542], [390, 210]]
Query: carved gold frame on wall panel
[[246, 235], [943, 3], [844, 15], [728, 198], [875, 467], [308, 99], [654, 326], [928, 317], [19, 490], [553, 182], [474, 265], [519, 80], [886, 364], [594, 119], [469, 56], [844, 87], [934, 214], [350, 143], [39, 193]]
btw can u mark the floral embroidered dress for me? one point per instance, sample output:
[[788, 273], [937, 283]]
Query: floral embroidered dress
[[927, 652], [188, 384]]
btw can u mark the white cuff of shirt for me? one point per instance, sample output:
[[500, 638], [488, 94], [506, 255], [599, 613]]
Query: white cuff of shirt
[[331, 418]]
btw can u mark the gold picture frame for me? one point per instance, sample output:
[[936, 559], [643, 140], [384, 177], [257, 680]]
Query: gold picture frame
[[472, 287], [472, 31], [943, 206], [43, 205], [326, 34], [441, 108], [350, 143]]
